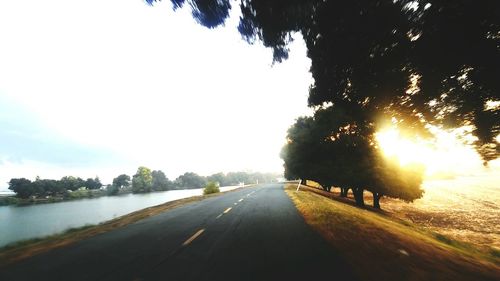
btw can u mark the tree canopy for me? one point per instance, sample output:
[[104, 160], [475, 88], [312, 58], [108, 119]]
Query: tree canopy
[[417, 62], [93, 183], [122, 180], [22, 187], [142, 180], [160, 181], [72, 183], [190, 180]]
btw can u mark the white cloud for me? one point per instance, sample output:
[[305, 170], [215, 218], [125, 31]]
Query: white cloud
[[151, 84]]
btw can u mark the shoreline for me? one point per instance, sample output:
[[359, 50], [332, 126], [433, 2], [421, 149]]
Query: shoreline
[[22, 249], [12, 200]]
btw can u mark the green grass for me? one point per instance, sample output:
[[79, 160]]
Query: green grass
[[9, 200], [495, 253], [31, 241], [383, 248], [21, 243]]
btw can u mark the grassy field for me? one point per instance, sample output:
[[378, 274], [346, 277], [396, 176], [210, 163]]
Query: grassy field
[[381, 247], [464, 208], [461, 208]]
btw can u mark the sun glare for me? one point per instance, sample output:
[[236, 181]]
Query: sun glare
[[444, 155]]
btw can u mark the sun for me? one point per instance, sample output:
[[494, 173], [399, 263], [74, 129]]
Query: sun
[[443, 154]]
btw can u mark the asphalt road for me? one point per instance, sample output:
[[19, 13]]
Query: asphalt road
[[254, 233]]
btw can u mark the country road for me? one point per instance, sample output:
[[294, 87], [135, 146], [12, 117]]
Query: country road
[[253, 233]]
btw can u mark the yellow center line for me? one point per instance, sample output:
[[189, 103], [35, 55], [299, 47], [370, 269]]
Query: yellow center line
[[198, 233], [227, 210]]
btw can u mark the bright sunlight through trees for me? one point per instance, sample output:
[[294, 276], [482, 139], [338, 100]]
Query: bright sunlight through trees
[[445, 155]]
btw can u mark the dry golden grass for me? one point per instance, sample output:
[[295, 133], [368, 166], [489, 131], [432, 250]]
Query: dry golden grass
[[383, 248], [28, 248]]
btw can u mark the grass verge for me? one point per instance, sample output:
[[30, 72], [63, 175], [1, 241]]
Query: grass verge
[[382, 248], [23, 249]]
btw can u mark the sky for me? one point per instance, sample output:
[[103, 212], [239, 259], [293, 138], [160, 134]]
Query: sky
[[101, 87]]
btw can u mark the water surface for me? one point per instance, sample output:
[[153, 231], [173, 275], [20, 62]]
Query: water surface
[[31, 221]]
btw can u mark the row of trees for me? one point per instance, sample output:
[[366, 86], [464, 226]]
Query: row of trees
[[346, 158], [25, 188], [146, 180]]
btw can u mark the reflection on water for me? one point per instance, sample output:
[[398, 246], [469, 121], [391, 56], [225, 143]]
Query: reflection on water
[[24, 222], [464, 208]]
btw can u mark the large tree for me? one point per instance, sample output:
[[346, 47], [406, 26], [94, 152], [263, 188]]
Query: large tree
[[388, 178], [22, 187], [303, 153], [48, 187], [122, 180], [190, 180], [219, 178], [72, 183], [160, 181], [419, 62], [142, 180], [93, 183]]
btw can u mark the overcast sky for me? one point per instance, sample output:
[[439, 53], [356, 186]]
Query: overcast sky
[[100, 87]]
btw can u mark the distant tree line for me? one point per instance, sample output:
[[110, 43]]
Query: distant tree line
[[146, 180], [25, 188], [143, 181]]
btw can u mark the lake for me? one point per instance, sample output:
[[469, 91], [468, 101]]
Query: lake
[[31, 221]]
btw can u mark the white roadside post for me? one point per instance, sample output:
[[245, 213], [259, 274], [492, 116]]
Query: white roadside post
[[298, 186]]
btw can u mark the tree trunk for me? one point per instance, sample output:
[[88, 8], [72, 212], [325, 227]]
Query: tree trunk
[[376, 199], [344, 191], [358, 196]]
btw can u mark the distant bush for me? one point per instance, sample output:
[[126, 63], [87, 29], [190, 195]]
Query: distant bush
[[211, 187], [9, 200], [80, 193], [443, 239], [112, 190]]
